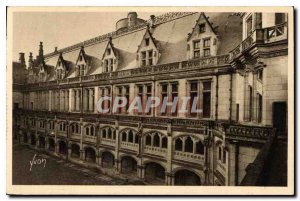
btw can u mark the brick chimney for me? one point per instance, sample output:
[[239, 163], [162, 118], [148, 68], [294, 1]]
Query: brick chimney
[[152, 20], [30, 61], [41, 53], [22, 58], [132, 18]]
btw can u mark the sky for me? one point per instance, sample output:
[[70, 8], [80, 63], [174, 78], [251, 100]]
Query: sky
[[61, 29]]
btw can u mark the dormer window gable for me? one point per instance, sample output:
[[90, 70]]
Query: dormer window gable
[[61, 68], [82, 64], [110, 58], [202, 41], [148, 51]]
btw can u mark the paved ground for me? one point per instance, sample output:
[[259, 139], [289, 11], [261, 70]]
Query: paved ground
[[56, 171]]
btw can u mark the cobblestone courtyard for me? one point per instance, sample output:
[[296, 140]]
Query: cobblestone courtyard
[[56, 171]]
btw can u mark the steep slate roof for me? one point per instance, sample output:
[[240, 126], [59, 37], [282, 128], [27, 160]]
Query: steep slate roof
[[171, 37], [230, 30], [127, 46]]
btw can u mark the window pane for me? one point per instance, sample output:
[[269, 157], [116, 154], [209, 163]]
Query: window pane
[[197, 54], [206, 104], [206, 85], [143, 55], [202, 28], [175, 87], [206, 43], [194, 86], [196, 44], [207, 52], [164, 88]]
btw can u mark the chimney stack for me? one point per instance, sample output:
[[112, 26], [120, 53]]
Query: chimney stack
[[22, 58], [132, 19], [41, 53], [55, 49], [152, 20], [30, 61]]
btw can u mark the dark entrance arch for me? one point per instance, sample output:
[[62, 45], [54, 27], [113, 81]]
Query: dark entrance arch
[[75, 151], [51, 145], [25, 138], [107, 160], [155, 173], [62, 148], [32, 139], [186, 178], [128, 165], [90, 155], [42, 142]]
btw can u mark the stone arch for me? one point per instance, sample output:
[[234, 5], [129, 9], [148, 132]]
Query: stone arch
[[61, 125], [126, 129], [89, 129], [62, 147], [156, 139], [42, 142], [178, 144], [188, 143], [128, 135], [154, 172], [75, 128], [51, 142], [128, 164], [90, 154], [200, 147], [106, 150], [75, 150], [104, 132], [184, 176], [107, 159], [148, 140], [32, 139]]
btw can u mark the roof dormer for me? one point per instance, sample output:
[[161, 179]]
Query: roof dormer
[[203, 40], [61, 68], [110, 58], [148, 51], [82, 63]]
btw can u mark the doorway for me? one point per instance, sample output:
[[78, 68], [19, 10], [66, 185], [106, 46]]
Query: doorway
[[280, 116]]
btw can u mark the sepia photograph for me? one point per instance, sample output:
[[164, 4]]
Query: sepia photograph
[[150, 100]]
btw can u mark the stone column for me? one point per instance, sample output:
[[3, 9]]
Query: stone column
[[181, 93], [69, 151], [117, 143], [50, 101], [82, 156], [254, 98], [169, 179], [71, 100], [96, 97], [99, 159], [141, 171], [56, 147], [55, 135], [46, 143], [169, 154], [36, 133]]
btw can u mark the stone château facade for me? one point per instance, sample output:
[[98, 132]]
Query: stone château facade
[[236, 63]]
